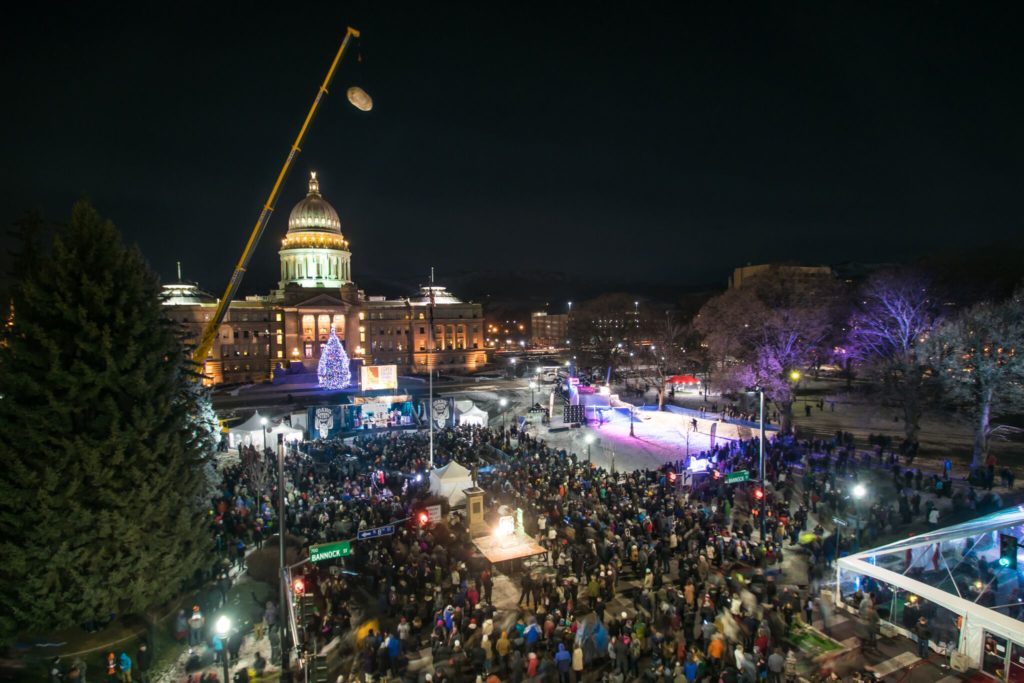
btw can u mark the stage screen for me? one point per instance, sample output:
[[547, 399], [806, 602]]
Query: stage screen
[[376, 377]]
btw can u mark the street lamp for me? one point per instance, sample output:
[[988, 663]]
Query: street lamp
[[533, 386], [858, 492], [263, 422], [222, 628], [503, 402], [589, 438]]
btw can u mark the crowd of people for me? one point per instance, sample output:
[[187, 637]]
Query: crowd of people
[[643, 577]]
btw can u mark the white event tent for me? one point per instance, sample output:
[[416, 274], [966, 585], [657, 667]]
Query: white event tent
[[954, 578], [449, 481]]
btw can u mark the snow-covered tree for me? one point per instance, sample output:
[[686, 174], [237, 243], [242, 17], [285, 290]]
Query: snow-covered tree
[[979, 358]]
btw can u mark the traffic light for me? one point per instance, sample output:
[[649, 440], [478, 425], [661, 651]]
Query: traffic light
[[758, 494], [423, 518], [307, 611], [318, 669], [298, 587], [1008, 551]]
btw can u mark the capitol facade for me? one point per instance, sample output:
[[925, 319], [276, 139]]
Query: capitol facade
[[264, 335]]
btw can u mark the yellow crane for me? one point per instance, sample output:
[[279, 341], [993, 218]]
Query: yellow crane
[[212, 329]]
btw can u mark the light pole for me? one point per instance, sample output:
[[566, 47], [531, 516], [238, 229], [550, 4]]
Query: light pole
[[263, 422], [589, 439], [631, 420], [760, 458], [503, 402], [512, 362], [223, 628], [533, 387], [282, 588], [858, 492]]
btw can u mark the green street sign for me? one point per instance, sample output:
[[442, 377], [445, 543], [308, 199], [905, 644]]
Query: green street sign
[[329, 551], [737, 477]]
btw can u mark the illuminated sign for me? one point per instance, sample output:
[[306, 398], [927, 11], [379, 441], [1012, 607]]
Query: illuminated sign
[[376, 377]]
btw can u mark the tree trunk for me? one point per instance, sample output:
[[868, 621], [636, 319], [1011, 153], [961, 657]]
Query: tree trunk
[[785, 416], [661, 397], [911, 415], [981, 430]]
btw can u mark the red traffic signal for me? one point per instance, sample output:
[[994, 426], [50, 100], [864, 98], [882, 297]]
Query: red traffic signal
[[298, 586], [758, 494], [423, 517]]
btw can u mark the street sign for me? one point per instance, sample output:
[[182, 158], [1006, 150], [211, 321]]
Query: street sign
[[329, 551], [737, 477], [840, 522], [367, 534]]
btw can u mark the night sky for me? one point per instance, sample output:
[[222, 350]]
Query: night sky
[[665, 144]]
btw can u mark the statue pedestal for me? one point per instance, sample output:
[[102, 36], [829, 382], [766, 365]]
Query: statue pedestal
[[475, 511]]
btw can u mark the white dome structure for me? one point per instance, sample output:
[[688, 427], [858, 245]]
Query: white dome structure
[[314, 253]]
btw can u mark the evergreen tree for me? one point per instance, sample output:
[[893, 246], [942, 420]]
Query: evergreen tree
[[101, 433], [333, 370]]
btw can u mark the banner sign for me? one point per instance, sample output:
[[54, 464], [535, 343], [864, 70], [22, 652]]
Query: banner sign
[[442, 412]]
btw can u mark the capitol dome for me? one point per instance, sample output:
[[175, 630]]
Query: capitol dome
[[314, 213], [314, 253]]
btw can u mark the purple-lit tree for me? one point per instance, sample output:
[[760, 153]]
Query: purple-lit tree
[[979, 358], [891, 322], [760, 333]]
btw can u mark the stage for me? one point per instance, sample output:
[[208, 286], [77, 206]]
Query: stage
[[512, 547]]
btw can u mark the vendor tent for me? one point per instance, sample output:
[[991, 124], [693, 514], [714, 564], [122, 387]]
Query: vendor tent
[[289, 433], [473, 416], [683, 379], [249, 432], [449, 481]]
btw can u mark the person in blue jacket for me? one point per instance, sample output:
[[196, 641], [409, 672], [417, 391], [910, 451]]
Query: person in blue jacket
[[563, 660], [124, 662]]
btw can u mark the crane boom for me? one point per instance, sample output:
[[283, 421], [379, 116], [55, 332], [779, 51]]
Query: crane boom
[[212, 328]]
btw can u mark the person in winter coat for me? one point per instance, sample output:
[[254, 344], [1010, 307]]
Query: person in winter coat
[[563, 661], [124, 663], [577, 663], [502, 647], [532, 664], [143, 662]]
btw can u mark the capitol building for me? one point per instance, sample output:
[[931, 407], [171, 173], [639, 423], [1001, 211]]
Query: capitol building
[[264, 335]]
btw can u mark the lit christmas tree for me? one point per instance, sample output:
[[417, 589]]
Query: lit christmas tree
[[333, 369]]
